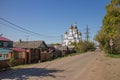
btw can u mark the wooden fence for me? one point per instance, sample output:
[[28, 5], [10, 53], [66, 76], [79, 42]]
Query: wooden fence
[[4, 63]]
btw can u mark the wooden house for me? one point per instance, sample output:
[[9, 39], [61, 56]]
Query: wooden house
[[33, 49], [7, 51]]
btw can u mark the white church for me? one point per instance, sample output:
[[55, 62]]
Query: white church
[[72, 36]]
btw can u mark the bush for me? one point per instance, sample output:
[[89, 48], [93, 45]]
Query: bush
[[84, 46], [11, 62], [80, 47]]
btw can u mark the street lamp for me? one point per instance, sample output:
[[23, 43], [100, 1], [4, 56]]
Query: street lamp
[[111, 44]]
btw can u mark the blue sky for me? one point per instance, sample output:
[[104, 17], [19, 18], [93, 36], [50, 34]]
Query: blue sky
[[50, 17]]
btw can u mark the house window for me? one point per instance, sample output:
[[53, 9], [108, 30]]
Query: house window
[[1, 44], [20, 55], [4, 56], [5, 44]]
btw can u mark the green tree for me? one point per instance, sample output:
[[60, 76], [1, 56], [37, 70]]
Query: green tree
[[11, 62], [84, 46], [110, 27], [117, 41]]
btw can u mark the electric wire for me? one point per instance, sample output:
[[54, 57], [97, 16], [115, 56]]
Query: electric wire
[[23, 29]]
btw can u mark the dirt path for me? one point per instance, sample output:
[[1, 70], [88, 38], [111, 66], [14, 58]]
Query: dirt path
[[105, 68], [88, 66]]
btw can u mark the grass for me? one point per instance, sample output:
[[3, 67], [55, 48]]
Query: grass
[[5, 69], [114, 55], [16, 67], [21, 66]]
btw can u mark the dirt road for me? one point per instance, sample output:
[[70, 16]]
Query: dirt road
[[88, 66]]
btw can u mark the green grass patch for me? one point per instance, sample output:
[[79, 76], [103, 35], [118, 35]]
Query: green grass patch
[[5, 69], [17, 67], [24, 65], [114, 55]]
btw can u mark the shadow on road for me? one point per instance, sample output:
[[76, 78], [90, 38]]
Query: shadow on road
[[25, 73]]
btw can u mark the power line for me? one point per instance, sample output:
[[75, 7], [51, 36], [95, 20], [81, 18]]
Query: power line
[[87, 33], [23, 29], [14, 28]]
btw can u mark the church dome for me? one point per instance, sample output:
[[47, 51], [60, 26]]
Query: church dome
[[75, 27], [71, 27], [66, 32]]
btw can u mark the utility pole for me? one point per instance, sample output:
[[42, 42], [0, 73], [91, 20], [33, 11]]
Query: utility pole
[[87, 33], [80, 35]]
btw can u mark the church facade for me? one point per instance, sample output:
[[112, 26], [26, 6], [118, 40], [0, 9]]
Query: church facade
[[72, 36]]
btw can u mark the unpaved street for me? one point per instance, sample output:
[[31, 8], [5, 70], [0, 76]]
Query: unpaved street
[[88, 66]]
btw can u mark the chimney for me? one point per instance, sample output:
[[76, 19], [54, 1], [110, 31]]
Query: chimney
[[20, 40]]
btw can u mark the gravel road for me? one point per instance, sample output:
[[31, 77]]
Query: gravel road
[[79, 67]]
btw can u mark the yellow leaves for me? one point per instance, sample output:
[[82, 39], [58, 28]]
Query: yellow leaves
[[110, 28], [115, 1]]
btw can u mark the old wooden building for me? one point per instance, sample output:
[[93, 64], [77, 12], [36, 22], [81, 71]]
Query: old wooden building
[[33, 49]]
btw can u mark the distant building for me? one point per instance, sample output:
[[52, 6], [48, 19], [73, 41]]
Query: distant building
[[72, 36]]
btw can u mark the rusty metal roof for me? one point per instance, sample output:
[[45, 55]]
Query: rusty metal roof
[[4, 39]]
